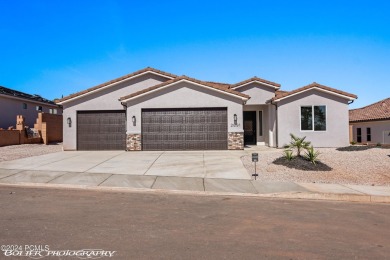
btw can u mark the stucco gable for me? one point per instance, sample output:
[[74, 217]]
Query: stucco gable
[[314, 86], [256, 80], [198, 83], [116, 81]]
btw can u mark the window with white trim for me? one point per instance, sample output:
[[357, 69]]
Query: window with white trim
[[313, 118]]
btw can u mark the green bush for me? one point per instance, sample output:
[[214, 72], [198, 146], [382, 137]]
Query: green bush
[[353, 143]]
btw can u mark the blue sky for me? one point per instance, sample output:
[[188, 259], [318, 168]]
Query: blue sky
[[56, 48]]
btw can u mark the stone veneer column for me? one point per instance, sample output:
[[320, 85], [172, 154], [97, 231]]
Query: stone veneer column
[[236, 141], [133, 142]]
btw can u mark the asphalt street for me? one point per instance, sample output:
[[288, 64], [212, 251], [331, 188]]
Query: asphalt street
[[175, 226]]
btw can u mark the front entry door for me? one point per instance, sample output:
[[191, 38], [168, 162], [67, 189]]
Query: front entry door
[[250, 127]]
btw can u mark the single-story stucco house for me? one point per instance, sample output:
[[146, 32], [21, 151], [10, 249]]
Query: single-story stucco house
[[13, 103], [371, 124], [154, 110]]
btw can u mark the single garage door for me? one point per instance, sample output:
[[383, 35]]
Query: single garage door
[[184, 129], [101, 130]]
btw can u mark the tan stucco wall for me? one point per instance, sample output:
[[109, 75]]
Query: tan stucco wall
[[184, 95], [259, 94], [337, 133], [377, 131], [11, 107], [107, 99]]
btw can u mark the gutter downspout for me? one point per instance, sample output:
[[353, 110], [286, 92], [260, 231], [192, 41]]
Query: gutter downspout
[[276, 124]]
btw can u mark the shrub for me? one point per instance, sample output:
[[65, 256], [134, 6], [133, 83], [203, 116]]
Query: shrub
[[311, 155], [353, 143], [298, 143], [378, 144], [288, 154]]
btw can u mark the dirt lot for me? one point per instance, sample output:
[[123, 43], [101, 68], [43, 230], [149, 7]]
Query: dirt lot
[[351, 165], [13, 152]]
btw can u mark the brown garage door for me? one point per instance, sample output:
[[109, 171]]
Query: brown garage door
[[101, 130], [184, 129]]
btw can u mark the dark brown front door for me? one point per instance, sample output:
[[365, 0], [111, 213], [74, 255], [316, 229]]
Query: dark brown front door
[[250, 127], [101, 130], [184, 129]]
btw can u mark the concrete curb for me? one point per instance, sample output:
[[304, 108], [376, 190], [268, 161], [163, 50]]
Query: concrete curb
[[285, 195]]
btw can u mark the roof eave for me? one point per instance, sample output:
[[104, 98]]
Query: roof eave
[[256, 81]]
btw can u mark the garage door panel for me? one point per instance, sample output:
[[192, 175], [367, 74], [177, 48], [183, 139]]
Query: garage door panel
[[184, 129], [101, 130]]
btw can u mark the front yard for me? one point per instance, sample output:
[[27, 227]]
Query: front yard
[[350, 165], [13, 152]]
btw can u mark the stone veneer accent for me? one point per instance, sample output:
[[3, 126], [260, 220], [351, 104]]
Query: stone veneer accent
[[236, 141], [133, 142]]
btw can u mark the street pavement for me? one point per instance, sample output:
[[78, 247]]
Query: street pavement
[[176, 226]]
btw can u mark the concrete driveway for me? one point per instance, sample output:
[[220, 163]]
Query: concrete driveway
[[202, 164]]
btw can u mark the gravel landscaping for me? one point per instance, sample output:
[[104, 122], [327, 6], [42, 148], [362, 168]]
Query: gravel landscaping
[[13, 152], [351, 165]]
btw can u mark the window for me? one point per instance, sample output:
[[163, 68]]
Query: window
[[55, 111], [368, 134], [261, 123], [50, 111], [24, 106], [316, 122], [39, 108], [359, 135]]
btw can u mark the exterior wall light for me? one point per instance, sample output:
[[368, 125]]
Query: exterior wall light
[[69, 121], [235, 119], [133, 119]]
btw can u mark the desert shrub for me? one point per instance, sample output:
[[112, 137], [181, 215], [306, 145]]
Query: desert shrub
[[288, 154], [298, 143], [311, 155]]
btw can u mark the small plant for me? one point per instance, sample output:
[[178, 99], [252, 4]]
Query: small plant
[[298, 143], [288, 154], [353, 143], [311, 155], [378, 144]]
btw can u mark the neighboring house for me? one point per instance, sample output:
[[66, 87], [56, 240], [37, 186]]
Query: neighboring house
[[154, 110], [13, 103], [371, 124]]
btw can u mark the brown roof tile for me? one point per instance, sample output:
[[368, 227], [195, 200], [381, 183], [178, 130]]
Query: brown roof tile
[[377, 111], [313, 85], [212, 85], [115, 81], [276, 85]]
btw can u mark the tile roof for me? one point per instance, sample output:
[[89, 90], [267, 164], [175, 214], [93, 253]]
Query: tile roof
[[214, 85], [377, 111], [312, 85], [18, 94], [115, 81], [276, 85]]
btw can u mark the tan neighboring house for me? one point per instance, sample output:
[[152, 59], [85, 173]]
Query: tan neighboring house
[[371, 124], [155, 110], [13, 103]]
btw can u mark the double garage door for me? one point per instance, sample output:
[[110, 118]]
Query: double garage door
[[162, 129], [184, 129]]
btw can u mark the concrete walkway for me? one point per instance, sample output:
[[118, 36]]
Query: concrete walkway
[[193, 185]]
